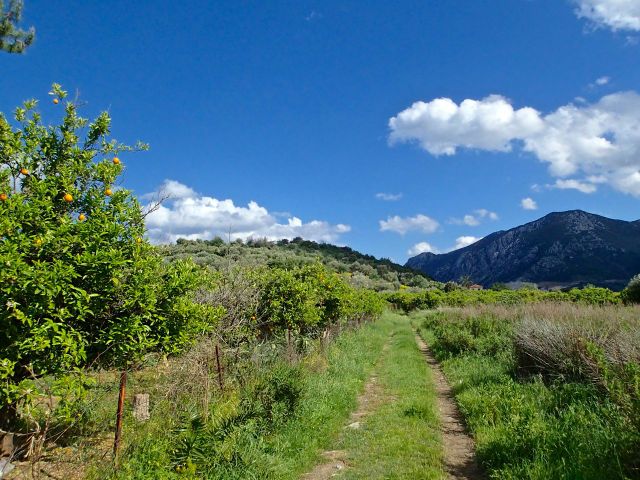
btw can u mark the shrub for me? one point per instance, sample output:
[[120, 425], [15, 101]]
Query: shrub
[[631, 294]]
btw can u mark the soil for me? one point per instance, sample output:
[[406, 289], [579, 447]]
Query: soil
[[459, 448]]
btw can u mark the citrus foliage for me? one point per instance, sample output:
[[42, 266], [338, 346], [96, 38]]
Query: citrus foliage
[[78, 284], [408, 301], [311, 298]]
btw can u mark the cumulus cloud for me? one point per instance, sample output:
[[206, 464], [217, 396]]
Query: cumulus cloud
[[389, 197], [421, 247], [614, 14], [465, 241], [441, 126], [474, 219], [572, 184], [403, 225], [186, 214], [600, 139], [528, 204]]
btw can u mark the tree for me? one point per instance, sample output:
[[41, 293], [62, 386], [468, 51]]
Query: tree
[[79, 285], [12, 38]]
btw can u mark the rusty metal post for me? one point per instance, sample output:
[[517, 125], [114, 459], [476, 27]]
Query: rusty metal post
[[219, 365], [121, 395]]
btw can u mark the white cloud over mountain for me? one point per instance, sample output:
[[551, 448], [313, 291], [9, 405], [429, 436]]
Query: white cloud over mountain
[[187, 214], [528, 204], [614, 14], [474, 219], [599, 140], [465, 241], [421, 247], [573, 184], [402, 225]]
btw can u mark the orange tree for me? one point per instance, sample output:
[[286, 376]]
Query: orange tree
[[79, 285]]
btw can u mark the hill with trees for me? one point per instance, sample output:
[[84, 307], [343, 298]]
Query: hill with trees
[[364, 270]]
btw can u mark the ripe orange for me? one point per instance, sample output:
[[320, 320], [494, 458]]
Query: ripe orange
[[68, 198], [116, 160], [3, 197], [24, 171], [82, 217], [108, 192], [56, 101]]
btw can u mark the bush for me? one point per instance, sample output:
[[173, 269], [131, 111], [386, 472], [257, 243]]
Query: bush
[[631, 294]]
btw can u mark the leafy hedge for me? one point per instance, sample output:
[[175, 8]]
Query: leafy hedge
[[429, 299]]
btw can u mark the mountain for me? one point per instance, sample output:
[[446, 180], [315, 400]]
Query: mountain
[[365, 270], [561, 249]]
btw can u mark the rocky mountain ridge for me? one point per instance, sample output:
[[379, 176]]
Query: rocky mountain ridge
[[561, 249]]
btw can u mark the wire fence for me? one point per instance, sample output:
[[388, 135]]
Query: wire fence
[[101, 425]]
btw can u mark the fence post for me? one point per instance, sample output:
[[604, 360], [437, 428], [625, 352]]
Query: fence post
[[118, 434], [219, 365], [141, 407]]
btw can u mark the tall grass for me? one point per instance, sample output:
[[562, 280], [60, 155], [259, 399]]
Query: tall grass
[[548, 390]]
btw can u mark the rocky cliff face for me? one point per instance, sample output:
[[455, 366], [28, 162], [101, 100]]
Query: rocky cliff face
[[560, 249]]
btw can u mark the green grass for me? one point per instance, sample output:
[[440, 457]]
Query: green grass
[[330, 381], [527, 427], [401, 438]]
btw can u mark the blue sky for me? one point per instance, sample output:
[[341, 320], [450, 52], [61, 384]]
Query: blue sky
[[286, 118]]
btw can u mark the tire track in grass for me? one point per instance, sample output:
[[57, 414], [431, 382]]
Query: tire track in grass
[[394, 432], [368, 401], [459, 448]]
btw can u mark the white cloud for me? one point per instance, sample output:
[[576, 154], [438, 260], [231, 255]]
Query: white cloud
[[421, 247], [615, 14], [403, 225], [600, 139], [441, 126], [528, 204], [187, 214], [473, 220], [389, 197], [465, 241], [572, 184], [603, 81]]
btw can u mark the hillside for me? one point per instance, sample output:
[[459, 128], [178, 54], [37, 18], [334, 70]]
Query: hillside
[[561, 249], [366, 270]]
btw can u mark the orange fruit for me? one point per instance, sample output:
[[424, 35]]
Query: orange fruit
[[38, 242], [68, 198], [3, 197], [82, 217], [108, 192], [56, 101], [24, 171], [138, 240], [116, 160]]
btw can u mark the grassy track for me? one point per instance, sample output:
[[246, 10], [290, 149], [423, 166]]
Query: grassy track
[[400, 439]]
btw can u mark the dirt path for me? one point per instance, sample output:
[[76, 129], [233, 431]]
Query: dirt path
[[335, 460], [459, 449]]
